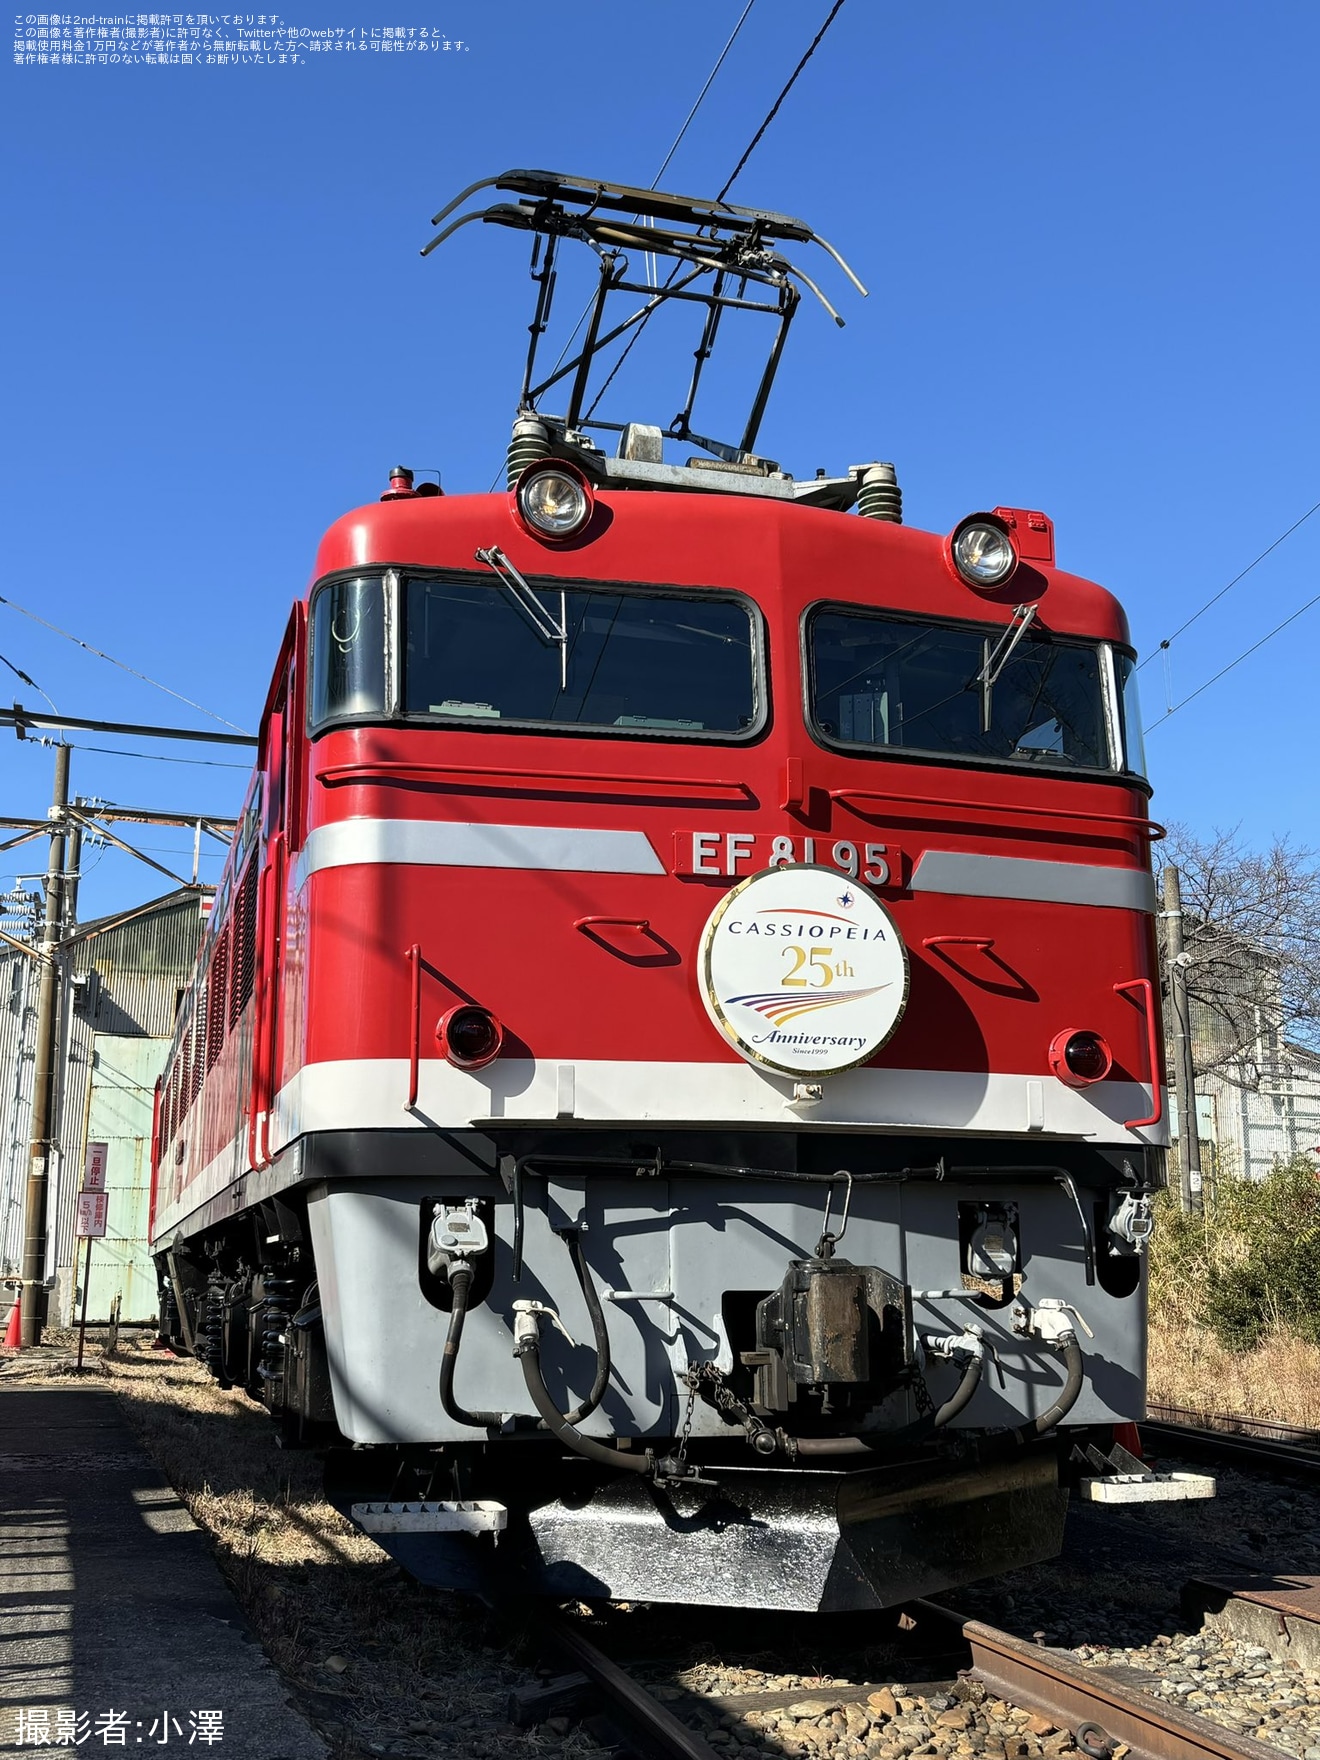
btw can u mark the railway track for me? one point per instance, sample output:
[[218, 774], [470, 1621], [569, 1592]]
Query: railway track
[[1101, 1709], [1098, 1706], [1260, 1445]]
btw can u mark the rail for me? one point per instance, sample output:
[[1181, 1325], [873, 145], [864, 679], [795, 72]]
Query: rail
[[1234, 1424], [1226, 1445], [653, 1725], [1098, 1707]]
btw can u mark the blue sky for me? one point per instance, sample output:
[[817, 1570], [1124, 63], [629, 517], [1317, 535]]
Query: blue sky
[[1088, 234]]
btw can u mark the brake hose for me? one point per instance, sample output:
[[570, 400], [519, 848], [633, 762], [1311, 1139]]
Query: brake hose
[[600, 1332], [878, 1439], [460, 1283], [1072, 1358], [527, 1347]]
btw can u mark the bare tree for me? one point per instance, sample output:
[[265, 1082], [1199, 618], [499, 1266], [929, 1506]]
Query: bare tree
[[1251, 940]]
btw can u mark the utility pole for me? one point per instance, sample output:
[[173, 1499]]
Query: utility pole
[[33, 1308], [1184, 1073]]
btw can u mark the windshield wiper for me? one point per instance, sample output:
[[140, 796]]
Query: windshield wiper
[[535, 612], [999, 656]]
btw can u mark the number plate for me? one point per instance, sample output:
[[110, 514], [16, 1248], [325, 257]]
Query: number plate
[[733, 855]]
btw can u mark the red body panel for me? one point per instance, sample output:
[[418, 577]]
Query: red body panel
[[1003, 979]]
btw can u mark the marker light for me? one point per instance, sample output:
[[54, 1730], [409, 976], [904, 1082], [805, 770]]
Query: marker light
[[470, 1037], [553, 502], [982, 552], [1079, 1057]]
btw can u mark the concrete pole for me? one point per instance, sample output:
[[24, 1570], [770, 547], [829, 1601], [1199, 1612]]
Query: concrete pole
[[33, 1310], [1184, 1073]]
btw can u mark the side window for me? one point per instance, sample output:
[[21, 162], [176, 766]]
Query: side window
[[272, 799], [1134, 744], [348, 650]]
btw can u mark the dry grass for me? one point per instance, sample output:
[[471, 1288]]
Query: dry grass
[[382, 1665], [1279, 1380]]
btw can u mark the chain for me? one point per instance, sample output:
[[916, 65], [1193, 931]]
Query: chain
[[921, 1393], [706, 1378], [691, 1377]]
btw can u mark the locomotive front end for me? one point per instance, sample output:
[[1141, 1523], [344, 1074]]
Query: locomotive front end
[[690, 1125], [726, 1105]]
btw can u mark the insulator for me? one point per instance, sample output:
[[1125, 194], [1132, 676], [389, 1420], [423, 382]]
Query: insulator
[[530, 441], [880, 496]]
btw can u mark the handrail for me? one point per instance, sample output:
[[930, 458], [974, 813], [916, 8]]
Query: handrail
[[983, 941], [391, 769], [1147, 990], [266, 1013], [155, 1158], [1143, 827], [414, 956]]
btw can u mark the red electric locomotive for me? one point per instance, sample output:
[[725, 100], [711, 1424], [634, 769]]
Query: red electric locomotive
[[673, 1075]]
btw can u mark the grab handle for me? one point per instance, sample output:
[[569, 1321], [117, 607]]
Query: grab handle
[[1147, 994], [414, 958]]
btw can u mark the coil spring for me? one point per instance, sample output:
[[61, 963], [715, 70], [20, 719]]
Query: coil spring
[[211, 1332], [276, 1309], [530, 442], [879, 496], [169, 1314]]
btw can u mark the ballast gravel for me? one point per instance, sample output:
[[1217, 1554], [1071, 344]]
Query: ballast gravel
[[1112, 1601], [1240, 1685], [893, 1722]]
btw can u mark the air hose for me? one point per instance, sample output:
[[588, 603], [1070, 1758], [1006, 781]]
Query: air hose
[[600, 1332], [1067, 1343], [527, 1347], [460, 1284], [945, 1414]]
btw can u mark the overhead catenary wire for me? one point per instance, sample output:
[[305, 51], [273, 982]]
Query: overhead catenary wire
[[1242, 575], [729, 182], [654, 184], [773, 111], [122, 665], [1244, 655], [701, 95], [159, 757], [19, 673]]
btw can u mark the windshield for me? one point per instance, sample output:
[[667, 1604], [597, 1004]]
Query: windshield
[[890, 682], [632, 662]]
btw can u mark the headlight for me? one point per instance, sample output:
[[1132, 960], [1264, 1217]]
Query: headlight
[[983, 553], [554, 502], [469, 1036], [1079, 1057]]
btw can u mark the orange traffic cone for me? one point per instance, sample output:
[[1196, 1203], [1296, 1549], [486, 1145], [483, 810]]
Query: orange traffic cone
[[14, 1331], [1129, 1437]]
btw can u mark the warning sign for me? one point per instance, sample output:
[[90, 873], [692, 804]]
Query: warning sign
[[98, 1154], [93, 1208]]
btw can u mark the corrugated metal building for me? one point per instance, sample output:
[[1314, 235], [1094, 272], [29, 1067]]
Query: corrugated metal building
[[119, 991], [1263, 1114]]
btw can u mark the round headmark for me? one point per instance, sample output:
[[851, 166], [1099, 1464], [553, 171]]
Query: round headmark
[[803, 971]]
